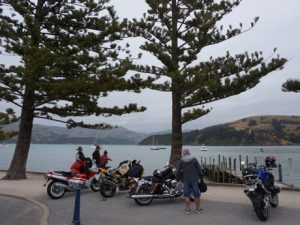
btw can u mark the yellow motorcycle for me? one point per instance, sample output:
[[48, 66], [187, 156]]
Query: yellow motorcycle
[[121, 177]]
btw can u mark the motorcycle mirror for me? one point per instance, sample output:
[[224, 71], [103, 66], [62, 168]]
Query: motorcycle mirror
[[243, 164]]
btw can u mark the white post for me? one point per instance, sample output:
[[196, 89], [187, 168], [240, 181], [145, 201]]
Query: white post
[[290, 172]]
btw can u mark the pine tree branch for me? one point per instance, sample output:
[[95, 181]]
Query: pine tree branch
[[72, 124], [291, 85]]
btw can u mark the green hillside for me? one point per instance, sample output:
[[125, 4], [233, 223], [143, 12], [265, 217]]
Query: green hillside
[[257, 130]]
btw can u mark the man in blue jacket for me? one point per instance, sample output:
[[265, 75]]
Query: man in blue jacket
[[192, 173]]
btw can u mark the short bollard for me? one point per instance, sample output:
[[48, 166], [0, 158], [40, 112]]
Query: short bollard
[[76, 214]]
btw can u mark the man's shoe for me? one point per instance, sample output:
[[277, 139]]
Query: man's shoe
[[188, 211], [198, 211]]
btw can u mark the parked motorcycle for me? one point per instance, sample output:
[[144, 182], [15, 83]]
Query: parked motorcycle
[[59, 182], [121, 177], [260, 189], [162, 185]]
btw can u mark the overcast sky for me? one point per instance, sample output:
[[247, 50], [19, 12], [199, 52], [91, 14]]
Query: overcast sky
[[278, 26]]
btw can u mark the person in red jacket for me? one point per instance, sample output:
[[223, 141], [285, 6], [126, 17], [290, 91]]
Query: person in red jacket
[[79, 165], [104, 159]]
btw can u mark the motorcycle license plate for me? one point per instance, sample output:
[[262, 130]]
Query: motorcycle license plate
[[250, 187]]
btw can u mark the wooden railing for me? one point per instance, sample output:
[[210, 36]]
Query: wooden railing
[[229, 170]]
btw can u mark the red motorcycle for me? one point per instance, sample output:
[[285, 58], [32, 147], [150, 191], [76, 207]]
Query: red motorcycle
[[60, 181]]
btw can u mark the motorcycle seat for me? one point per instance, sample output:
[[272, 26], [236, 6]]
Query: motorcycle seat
[[69, 174], [66, 174]]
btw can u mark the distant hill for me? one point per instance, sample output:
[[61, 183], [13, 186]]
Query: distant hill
[[256, 130], [61, 135]]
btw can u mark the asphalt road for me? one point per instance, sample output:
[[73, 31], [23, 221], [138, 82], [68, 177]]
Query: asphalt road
[[222, 205]]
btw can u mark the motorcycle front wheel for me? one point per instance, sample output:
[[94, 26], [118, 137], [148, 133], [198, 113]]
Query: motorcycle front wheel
[[54, 191], [95, 185], [262, 213], [144, 190], [107, 190]]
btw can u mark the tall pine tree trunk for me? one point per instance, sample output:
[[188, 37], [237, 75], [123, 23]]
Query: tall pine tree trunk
[[176, 129], [176, 90], [17, 169]]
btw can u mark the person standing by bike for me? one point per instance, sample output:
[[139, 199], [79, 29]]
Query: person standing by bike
[[79, 155], [104, 159], [191, 170], [79, 165], [96, 155]]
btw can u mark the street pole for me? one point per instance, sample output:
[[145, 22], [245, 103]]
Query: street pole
[[76, 214]]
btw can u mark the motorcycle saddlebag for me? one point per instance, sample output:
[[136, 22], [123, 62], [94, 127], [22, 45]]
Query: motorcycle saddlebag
[[274, 190], [88, 163], [136, 170]]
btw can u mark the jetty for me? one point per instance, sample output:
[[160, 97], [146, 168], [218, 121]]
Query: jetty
[[224, 169]]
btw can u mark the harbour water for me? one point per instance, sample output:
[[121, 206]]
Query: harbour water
[[43, 157]]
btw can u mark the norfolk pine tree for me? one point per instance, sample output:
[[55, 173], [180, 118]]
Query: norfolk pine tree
[[291, 85], [7, 117], [175, 32], [68, 58]]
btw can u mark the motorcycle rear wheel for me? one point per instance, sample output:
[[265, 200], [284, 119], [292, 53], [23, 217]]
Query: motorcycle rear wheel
[[55, 192], [107, 190], [143, 191], [95, 185]]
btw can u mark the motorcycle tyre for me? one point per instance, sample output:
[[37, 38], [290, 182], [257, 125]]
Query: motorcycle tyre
[[51, 190], [274, 202], [95, 185], [144, 201], [107, 190], [262, 213]]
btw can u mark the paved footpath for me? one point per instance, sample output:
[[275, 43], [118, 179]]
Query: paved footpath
[[222, 205], [18, 211]]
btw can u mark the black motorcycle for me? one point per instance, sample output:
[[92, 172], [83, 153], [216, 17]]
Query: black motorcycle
[[260, 189], [162, 185]]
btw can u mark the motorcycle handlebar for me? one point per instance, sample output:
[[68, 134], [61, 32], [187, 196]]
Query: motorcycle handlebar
[[169, 165]]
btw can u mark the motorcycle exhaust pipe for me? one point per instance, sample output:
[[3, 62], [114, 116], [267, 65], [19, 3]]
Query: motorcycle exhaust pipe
[[64, 186], [153, 196], [162, 196], [108, 182], [142, 196]]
